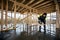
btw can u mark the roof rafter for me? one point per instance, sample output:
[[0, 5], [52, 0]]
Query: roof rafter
[[19, 5], [21, 9], [30, 2], [42, 4], [23, 1], [24, 6], [37, 3], [45, 6]]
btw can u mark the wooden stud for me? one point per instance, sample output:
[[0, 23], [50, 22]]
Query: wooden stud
[[42, 4], [2, 16], [22, 5], [57, 14], [30, 2], [21, 9], [37, 3], [6, 15], [45, 6], [23, 1], [14, 15]]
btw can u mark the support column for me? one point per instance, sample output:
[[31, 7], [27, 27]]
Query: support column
[[57, 14], [14, 15], [2, 16], [57, 20], [30, 23], [6, 15]]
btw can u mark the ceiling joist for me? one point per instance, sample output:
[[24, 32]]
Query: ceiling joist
[[42, 4], [30, 2], [22, 5], [45, 6], [37, 3]]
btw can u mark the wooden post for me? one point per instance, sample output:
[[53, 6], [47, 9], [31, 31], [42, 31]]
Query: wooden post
[[6, 15], [30, 23], [14, 15], [23, 23], [2, 16], [57, 14]]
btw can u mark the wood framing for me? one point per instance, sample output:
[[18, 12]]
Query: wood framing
[[21, 9], [30, 2], [57, 14], [23, 1], [45, 6], [14, 15], [2, 16], [6, 22], [37, 3], [42, 4], [24, 6]]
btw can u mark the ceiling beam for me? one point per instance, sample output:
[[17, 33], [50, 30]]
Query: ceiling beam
[[25, 18], [13, 7], [19, 5], [23, 1], [24, 10], [42, 4], [24, 6], [21, 9], [36, 3], [30, 2]]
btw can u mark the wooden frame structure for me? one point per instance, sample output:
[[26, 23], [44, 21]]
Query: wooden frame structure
[[41, 7]]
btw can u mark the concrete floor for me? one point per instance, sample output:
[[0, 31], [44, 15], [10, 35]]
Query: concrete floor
[[15, 35]]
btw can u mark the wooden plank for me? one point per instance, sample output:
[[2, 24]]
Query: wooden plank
[[42, 4], [14, 15], [37, 3], [21, 9], [19, 6], [24, 11], [25, 18], [45, 6], [23, 1], [6, 15], [2, 16], [24, 6], [57, 14], [30, 2]]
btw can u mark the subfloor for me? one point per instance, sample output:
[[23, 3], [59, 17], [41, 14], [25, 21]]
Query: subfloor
[[16, 35]]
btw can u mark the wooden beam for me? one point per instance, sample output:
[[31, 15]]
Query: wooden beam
[[37, 3], [23, 1], [19, 5], [21, 9], [13, 7], [14, 15], [24, 10], [42, 4], [45, 6], [6, 15], [25, 18], [27, 4], [57, 14], [24, 6], [2, 16], [30, 2]]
